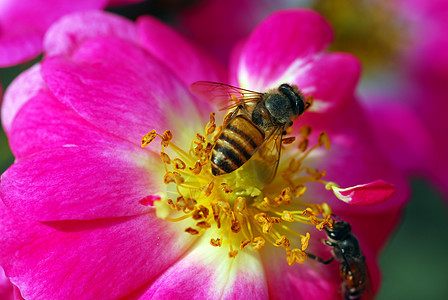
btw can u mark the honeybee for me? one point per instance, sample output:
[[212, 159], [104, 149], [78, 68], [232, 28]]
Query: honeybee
[[255, 122], [347, 251]]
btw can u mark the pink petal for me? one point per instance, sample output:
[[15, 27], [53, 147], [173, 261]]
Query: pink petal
[[65, 36], [365, 194], [363, 223], [353, 158], [226, 25], [149, 200], [22, 89], [312, 279], [208, 273], [6, 287], [87, 260], [45, 123], [331, 79], [80, 183], [286, 39], [189, 63], [120, 88], [220, 35], [400, 134], [300, 281], [18, 48], [23, 24]]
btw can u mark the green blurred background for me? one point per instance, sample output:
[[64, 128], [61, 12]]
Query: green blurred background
[[414, 262]]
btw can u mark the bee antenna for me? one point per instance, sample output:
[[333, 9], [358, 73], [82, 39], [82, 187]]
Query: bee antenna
[[334, 216]]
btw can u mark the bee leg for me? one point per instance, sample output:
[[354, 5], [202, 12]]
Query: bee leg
[[319, 259], [231, 115], [328, 243]]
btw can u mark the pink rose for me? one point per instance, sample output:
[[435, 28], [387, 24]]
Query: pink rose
[[23, 24], [86, 213]]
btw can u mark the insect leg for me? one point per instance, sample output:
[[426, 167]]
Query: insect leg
[[335, 245], [231, 115], [331, 244], [319, 259]]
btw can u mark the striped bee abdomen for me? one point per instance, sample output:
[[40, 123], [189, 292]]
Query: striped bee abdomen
[[236, 144]]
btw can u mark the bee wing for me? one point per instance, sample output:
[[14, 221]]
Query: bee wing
[[226, 96], [270, 150], [368, 292]]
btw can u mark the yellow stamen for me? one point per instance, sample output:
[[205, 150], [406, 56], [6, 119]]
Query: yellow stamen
[[238, 207]]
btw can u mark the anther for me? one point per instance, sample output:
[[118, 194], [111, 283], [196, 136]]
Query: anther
[[267, 227], [305, 131], [261, 218], [326, 210], [205, 211], [216, 209], [211, 126], [207, 189], [211, 129], [283, 242], [288, 140], [244, 244], [236, 226], [287, 216], [303, 145], [258, 243], [315, 173], [197, 168], [215, 242], [304, 241], [178, 164], [171, 203], [233, 253], [226, 188], [224, 205], [201, 212], [148, 138], [240, 205], [295, 255], [324, 140], [192, 231], [199, 139], [299, 190], [203, 225], [165, 158], [173, 177], [169, 177], [217, 133], [166, 138]]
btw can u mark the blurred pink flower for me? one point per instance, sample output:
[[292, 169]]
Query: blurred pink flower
[[23, 24], [407, 104], [228, 21], [72, 220], [410, 115]]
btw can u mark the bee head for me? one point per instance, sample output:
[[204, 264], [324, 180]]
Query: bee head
[[297, 100], [339, 231]]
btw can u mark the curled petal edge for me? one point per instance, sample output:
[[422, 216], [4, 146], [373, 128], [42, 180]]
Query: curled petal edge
[[364, 194]]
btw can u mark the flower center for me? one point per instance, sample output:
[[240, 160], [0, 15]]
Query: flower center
[[242, 208], [361, 28]]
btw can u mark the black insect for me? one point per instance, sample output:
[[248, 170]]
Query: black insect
[[347, 251]]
